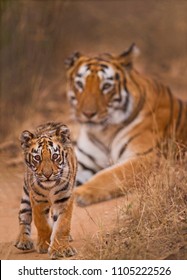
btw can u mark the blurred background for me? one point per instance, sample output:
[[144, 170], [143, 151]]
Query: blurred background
[[37, 36]]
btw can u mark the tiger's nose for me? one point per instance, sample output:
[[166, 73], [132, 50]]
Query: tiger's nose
[[47, 176], [47, 173], [89, 114]]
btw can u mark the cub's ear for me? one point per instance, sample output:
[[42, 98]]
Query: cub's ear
[[127, 57], [63, 133], [25, 138], [70, 61]]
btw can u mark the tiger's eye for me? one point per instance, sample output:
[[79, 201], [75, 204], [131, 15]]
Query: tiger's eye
[[37, 157], [106, 86], [79, 84], [55, 156]]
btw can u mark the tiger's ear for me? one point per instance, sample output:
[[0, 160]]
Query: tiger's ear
[[63, 132], [127, 57], [25, 138], [70, 61]]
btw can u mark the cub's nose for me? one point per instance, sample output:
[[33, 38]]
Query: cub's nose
[[89, 114], [47, 174]]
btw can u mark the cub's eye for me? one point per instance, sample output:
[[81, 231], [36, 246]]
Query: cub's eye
[[79, 84], [54, 156], [37, 157], [107, 86]]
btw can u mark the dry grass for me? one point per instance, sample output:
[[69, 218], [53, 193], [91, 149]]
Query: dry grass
[[154, 226]]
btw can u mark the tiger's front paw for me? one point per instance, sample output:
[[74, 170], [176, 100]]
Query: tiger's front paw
[[24, 242], [88, 194], [42, 246], [84, 196], [61, 251]]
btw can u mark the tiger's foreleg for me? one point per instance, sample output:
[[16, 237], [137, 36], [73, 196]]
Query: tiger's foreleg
[[62, 213], [23, 241], [41, 220], [112, 182]]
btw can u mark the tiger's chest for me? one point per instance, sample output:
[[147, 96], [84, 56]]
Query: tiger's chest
[[96, 143], [105, 144]]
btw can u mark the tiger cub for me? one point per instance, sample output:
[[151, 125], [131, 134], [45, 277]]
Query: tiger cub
[[49, 180]]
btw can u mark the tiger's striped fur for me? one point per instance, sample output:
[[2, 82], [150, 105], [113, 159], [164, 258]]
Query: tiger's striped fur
[[47, 192], [124, 117]]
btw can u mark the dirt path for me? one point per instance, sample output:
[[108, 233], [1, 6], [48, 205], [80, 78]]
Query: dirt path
[[86, 223]]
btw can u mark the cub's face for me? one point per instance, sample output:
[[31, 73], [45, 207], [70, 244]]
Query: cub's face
[[46, 156]]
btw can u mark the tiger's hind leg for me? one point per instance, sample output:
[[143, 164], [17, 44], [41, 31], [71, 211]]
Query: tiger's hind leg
[[23, 241], [41, 221]]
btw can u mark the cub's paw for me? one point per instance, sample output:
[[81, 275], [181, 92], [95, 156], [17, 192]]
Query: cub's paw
[[61, 252], [42, 246], [24, 243]]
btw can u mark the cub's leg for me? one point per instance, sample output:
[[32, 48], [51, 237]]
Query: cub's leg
[[112, 182], [23, 241], [40, 216], [62, 213]]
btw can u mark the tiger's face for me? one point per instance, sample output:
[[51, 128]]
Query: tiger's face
[[97, 87], [46, 156]]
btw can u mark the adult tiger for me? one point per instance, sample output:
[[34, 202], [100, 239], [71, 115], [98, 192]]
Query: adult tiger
[[47, 191], [123, 118]]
